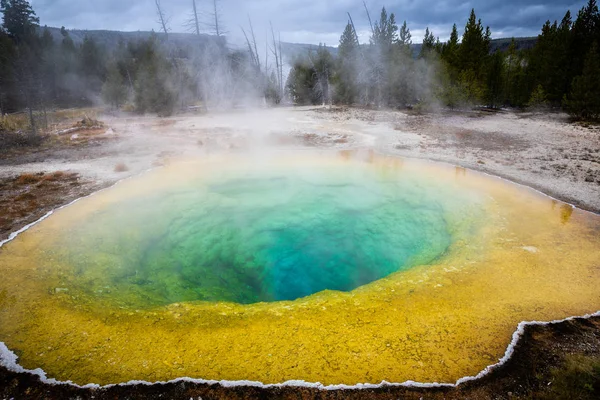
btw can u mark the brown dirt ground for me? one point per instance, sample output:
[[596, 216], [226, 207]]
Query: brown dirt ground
[[28, 197]]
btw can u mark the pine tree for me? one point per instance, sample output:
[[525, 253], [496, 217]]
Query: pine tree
[[21, 23], [322, 63], [513, 74], [404, 38], [48, 74], [19, 19], [114, 91], [450, 92], [586, 29], [475, 46], [301, 85], [495, 80], [153, 87], [401, 73], [348, 42], [450, 50], [473, 57], [560, 76], [429, 43], [549, 61], [68, 65], [382, 52], [584, 100], [538, 99], [346, 71], [385, 31], [272, 92], [7, 53], [92, 63]]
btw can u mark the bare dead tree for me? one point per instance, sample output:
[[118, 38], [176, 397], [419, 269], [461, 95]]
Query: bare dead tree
[[369, 17], [353, 27], [254, 43], [162, 19], [276, 52], [192, 24], [280, 68], [253, 56], [361, 52], [26, 77], [267, 53], [252, 47], [217, 26], [196, 23]]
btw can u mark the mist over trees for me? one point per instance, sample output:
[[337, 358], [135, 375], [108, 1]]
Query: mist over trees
[[40, 72], [560, 71]]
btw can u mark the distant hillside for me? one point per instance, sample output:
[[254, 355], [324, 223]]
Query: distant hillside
[[294, 50], [110, 39], [523, 43], [291, 51], [502, 44]]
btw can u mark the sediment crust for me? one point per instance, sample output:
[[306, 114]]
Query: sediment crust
[[527, 360], [502, 379], [9, 361]]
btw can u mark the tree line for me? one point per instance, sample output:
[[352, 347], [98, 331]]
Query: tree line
[[562, 70], [38, 72]]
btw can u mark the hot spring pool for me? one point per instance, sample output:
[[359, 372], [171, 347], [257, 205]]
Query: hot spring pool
[[332, 268]]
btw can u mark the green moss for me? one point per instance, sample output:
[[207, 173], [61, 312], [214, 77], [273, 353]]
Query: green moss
[[577, 378]]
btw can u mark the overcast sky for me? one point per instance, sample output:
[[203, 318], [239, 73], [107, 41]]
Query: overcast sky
[[308, 21]]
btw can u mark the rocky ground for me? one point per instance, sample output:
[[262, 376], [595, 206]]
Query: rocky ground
[[543, 151]]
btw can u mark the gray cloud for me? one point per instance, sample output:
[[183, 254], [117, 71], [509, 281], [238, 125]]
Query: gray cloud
[[308, 21]]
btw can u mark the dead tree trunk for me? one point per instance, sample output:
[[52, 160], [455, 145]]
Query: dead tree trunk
[[196, 23], [161, 18], [278, 63], [31, 116], [254, 43], [216, 16], [280, 69], [25, 63], [253, 56], [365, 96], [369, 17]]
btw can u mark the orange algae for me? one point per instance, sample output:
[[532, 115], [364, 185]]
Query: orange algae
[[534, 259]]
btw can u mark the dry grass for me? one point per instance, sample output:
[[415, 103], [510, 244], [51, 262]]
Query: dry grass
[[58, 176], [75, 113], [88, 122], [29, 179], [128, 107], [121, 167], [20, 121], [42, 178], [14, 122]]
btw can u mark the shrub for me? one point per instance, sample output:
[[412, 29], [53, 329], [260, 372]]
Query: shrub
[[538, 99]]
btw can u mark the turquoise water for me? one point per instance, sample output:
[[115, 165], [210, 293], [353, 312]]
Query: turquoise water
[[260, 236]]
